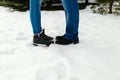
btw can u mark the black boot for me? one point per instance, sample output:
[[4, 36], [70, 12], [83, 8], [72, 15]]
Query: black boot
[[62, 41], [60, 37], [45, 36], [42, 39]]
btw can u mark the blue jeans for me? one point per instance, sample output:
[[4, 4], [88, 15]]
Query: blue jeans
[[71, 13]]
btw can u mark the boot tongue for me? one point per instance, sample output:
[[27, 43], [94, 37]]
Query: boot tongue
[[43, 31]]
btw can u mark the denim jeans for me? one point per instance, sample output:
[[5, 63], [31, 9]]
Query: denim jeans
[[71, 14]]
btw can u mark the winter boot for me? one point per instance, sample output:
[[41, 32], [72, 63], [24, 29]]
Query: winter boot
[[62, 41], [60, 37], [42, 39]]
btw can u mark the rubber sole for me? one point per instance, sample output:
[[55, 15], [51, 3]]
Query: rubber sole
[[45, 45]]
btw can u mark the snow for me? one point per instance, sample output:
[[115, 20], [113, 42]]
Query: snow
[[96, 57]]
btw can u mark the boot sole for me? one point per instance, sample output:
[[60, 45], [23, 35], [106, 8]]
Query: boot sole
[[75, 42], [44, 45]]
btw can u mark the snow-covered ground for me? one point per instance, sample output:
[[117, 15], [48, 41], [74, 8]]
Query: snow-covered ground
[[96, 57]]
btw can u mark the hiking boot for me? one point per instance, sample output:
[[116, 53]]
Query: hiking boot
[[60, 37], [42, 39], [62, 41]]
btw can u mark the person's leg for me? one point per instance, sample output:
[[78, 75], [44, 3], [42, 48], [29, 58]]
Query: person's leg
[[72, 18], [35, 15]]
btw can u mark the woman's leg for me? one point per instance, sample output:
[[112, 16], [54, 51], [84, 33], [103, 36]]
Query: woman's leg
[[35, 15]]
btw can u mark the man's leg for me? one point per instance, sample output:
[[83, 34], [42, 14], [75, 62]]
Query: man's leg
[[72, 18], [35, 15]]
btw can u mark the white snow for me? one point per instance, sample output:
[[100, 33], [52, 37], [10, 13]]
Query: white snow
[[96, 57]]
